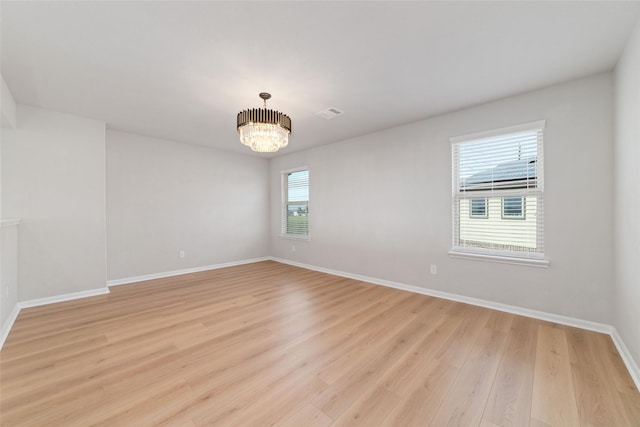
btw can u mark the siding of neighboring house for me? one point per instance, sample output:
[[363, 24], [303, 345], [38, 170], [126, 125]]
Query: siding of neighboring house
[[485, 230]]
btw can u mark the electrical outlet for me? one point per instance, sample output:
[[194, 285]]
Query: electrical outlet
[[181, 254], [293, 248], [434, 269]]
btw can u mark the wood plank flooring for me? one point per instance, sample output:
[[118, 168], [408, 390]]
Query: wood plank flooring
[[270, 344]]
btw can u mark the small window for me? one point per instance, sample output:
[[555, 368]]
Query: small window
[[295, 201], [478, 208], [513, 208]]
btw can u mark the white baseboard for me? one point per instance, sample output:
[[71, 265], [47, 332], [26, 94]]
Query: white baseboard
[[631, 365], [625, 354], [555, 318], [63, 297], [145, 277], [6, 327]]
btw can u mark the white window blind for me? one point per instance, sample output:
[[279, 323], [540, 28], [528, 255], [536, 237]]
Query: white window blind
[[295, 212], [501, 167]]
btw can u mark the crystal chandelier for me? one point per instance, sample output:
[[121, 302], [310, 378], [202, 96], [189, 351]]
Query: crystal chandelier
[[264, 131]]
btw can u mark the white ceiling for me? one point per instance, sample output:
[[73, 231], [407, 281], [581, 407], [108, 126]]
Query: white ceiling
[[183, 70]]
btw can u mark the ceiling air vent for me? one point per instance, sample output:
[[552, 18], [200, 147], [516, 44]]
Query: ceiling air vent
[[329, 113]]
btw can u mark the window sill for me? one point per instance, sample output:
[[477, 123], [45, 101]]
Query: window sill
[[293, 237], [501, 259]]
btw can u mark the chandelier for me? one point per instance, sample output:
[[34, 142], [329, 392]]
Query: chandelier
[[264, 131]]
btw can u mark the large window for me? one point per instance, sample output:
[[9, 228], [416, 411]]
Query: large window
[[498, 178], [295, 202]]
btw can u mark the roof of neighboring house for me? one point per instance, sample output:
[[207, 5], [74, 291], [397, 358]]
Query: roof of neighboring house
[[517, 170]]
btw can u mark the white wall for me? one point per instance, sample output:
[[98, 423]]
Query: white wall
[[53, 179], [8, 246], [164, 197], [8, 106], [627, 196], [8, 272], [380, 205]]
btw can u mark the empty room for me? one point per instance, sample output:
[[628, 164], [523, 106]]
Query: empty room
[[322, 213]]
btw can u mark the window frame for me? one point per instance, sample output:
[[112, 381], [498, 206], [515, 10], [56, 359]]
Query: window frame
[[492, 251], [284, 188]]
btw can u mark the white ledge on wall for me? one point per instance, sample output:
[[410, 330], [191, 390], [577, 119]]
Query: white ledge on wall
[[10, 222], [502, 259]]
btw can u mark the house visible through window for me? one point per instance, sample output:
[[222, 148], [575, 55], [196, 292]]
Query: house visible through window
[[498, 193], [295, 195]]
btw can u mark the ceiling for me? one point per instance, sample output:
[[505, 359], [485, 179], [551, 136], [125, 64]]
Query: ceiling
[[183, 70]]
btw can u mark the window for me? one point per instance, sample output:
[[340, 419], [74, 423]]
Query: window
[[295, 197], [513, 207], [478, 208], [498, 176]]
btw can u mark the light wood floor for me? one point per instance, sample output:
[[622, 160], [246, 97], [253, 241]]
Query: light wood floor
[[268, 343]]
